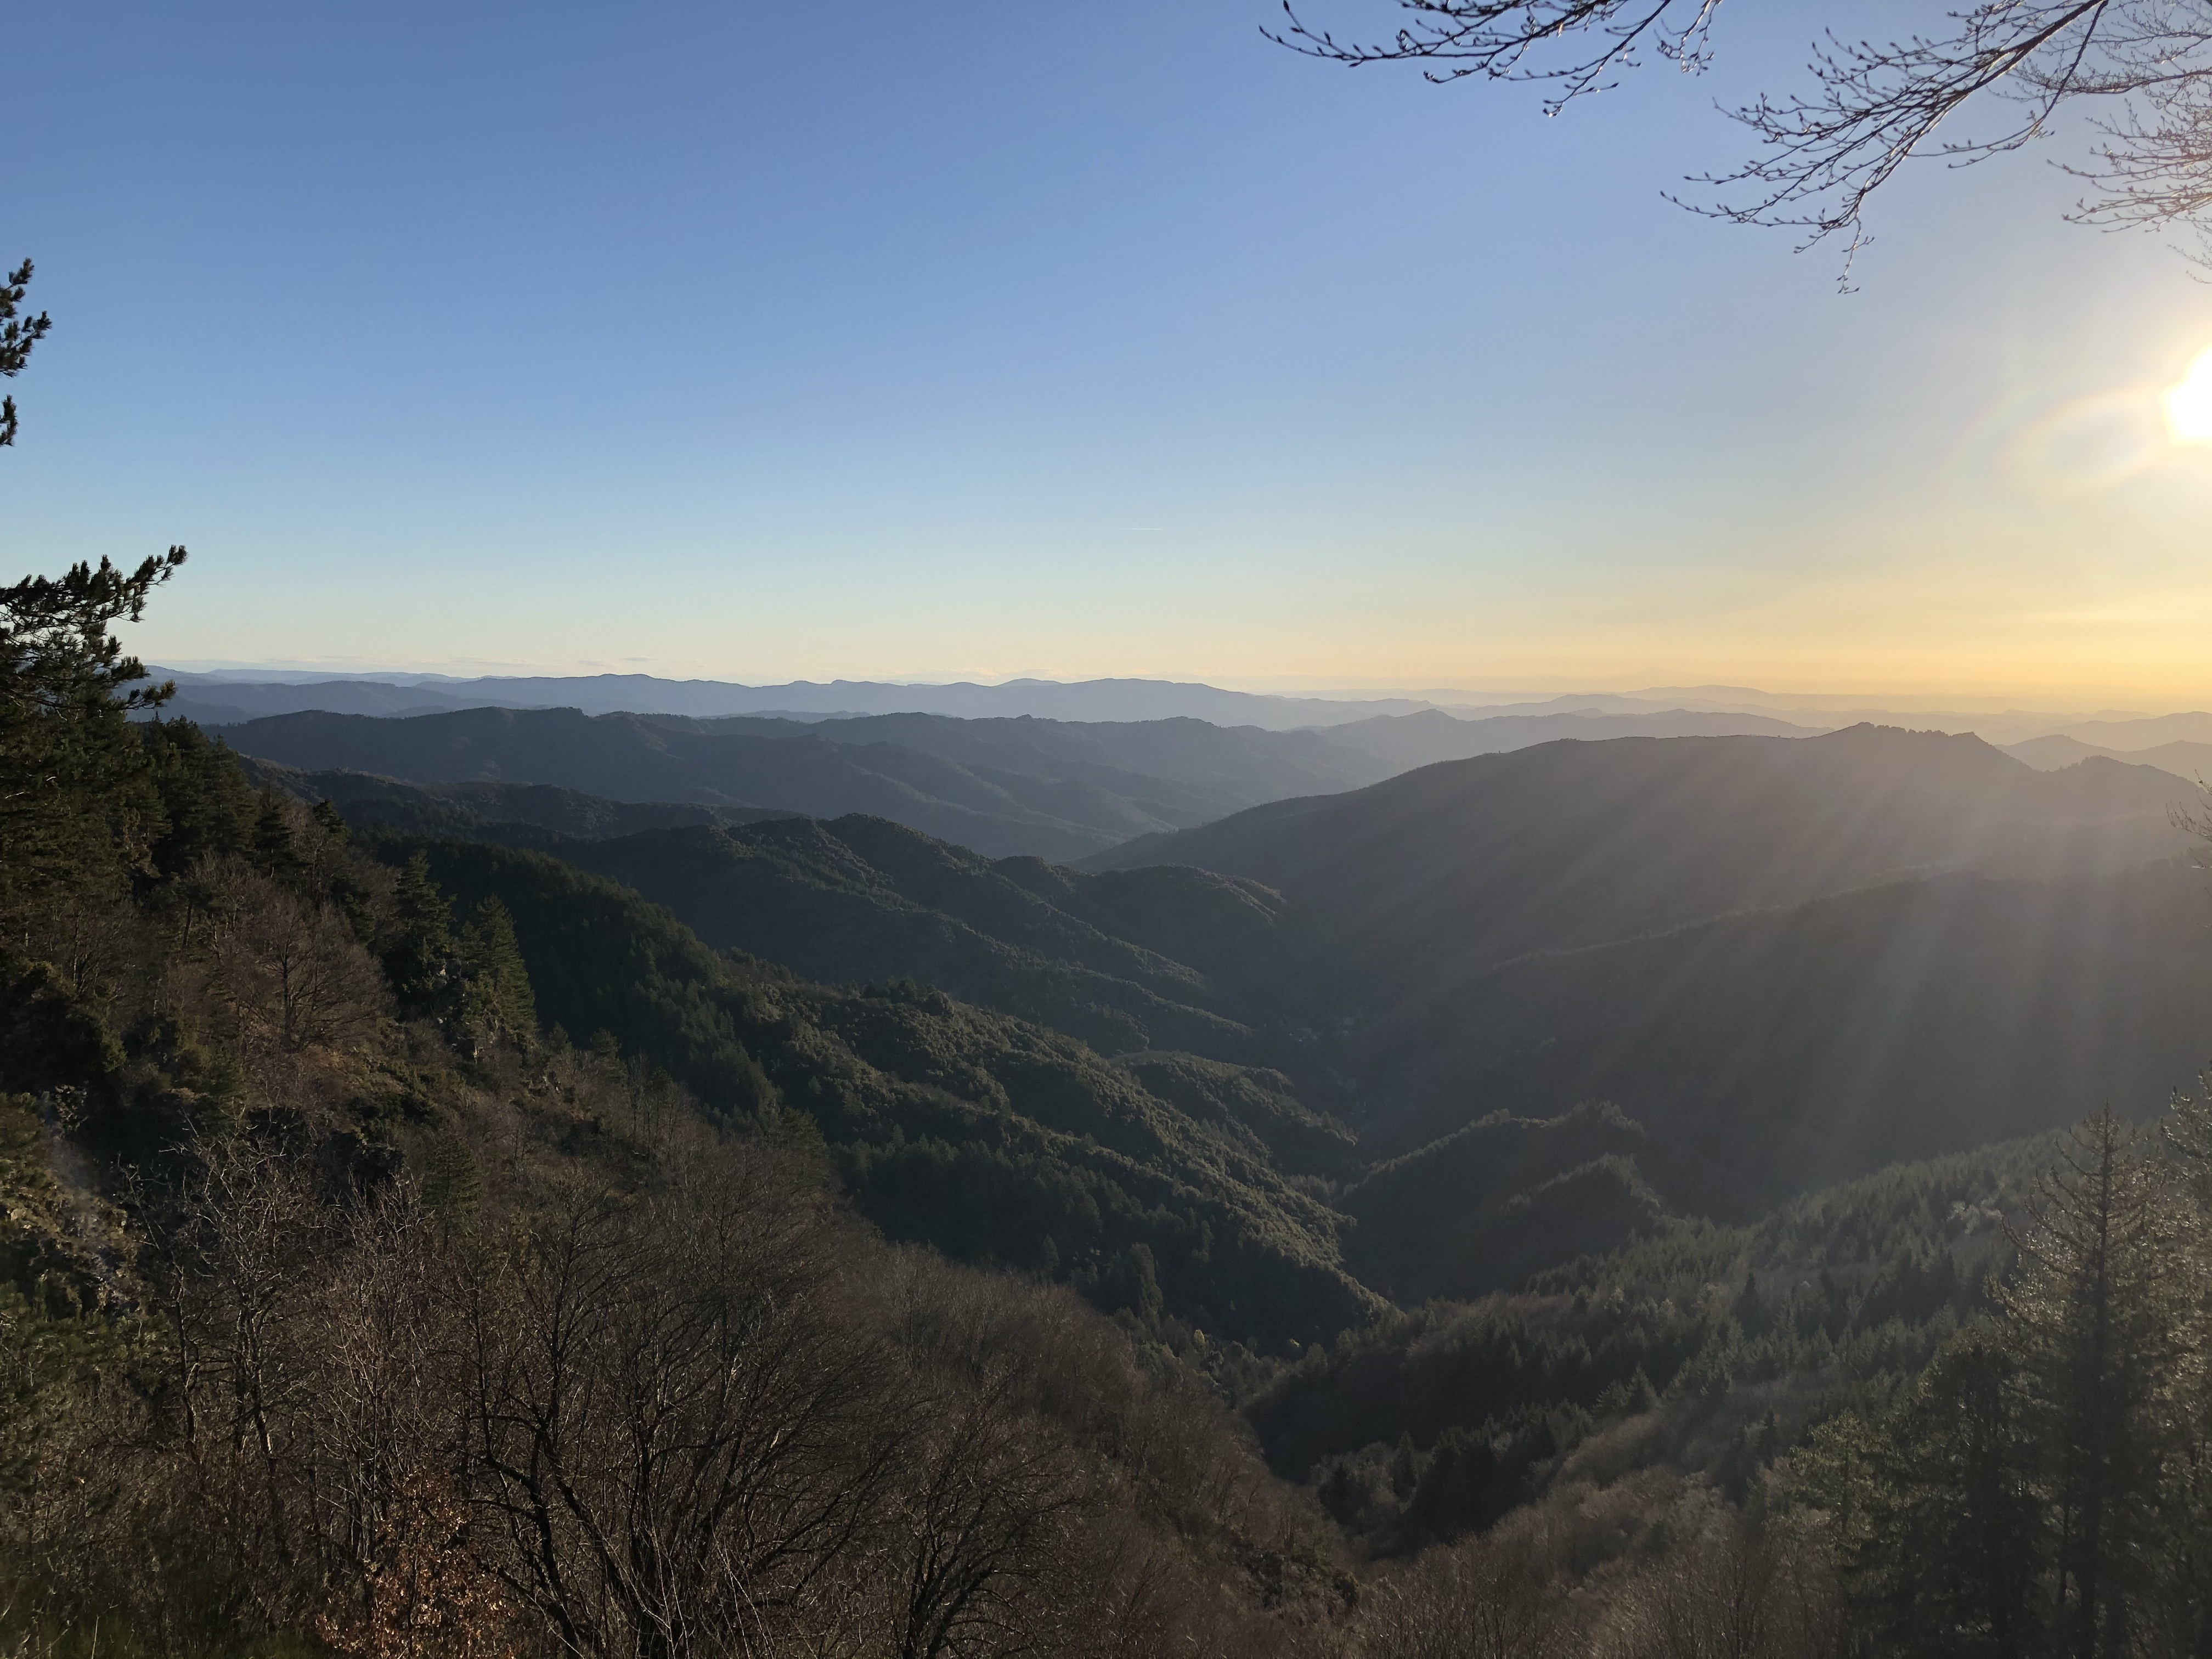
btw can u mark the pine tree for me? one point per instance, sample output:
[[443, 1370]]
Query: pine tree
[[418, 948], [276, 842], [77, 810], [2094, 1321], [496, 1000], [18, 334], [2183, 1561], [1956, 1537], [2029, 1493]]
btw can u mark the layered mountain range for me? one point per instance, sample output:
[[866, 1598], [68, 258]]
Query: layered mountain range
[[1056, 789], [1506, 1009], [233, 697]]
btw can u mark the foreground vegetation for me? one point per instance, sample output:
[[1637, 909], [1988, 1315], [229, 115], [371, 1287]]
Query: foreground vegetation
[[352, 1304]]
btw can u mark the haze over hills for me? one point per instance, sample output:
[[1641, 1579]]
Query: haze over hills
[[224, 698], [229, 698], [1570, 843], [1771, 1053], [647, 758], [1788, 961], [2184, 758], [1058, 789], [1405, 741]]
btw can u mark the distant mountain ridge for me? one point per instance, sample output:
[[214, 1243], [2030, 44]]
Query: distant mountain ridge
[[1051, 788], [231, 698], [2185, 758], [219, 699]]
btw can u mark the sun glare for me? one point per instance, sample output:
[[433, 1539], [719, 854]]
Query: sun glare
[[2189, 403]]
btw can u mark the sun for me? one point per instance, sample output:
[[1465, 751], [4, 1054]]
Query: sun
[[2189, 403]]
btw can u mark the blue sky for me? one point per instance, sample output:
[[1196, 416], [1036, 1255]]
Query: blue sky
[[988, 338]]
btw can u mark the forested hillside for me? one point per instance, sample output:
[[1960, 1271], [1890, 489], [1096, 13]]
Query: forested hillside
[[533, 812], [348, 1302], [1766, 1051], [1193, 770], [633, 757]]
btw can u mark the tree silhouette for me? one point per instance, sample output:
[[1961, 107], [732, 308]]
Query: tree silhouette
[[18, 334]]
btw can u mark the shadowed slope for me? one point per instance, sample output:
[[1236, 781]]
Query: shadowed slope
[[1768, 1053], [1463, 864]]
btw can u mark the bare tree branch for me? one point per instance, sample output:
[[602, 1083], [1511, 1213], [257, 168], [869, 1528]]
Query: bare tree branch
[[1873, 105]]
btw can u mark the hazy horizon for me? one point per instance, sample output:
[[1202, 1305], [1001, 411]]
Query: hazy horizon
[[1468, 696]]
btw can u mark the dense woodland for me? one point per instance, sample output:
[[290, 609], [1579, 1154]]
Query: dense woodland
[[421, 1245]]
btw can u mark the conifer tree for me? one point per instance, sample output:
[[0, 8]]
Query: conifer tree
[[419, 949], [2039, 1490], [1956, 1537], [18, 334], [2185, 1558], [496, 998], [76, 812], [2094, 1320], [76, 808], [276, 844]]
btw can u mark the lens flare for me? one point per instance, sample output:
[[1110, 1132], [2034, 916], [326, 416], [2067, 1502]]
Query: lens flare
[[2189, 403]]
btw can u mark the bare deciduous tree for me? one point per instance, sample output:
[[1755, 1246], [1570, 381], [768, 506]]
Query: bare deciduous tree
[[1501, 1599], [288, 972], [677, 1436], [981, 1526], [1728, 1590]]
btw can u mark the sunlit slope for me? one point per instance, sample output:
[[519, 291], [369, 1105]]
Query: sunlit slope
[[1841, 1291], [1166, 958], [984, 1135]]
